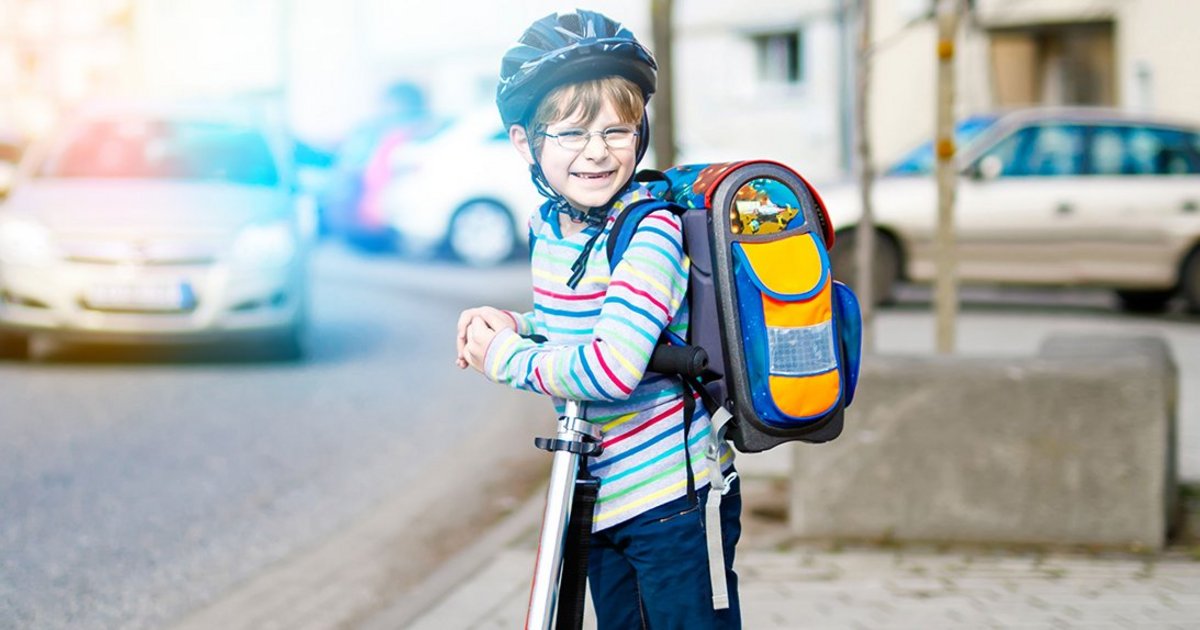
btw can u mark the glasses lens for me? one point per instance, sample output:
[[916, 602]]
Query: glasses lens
[[619, 137], [577, 139], [573, 139]]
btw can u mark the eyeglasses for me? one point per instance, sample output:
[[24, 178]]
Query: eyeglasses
[[577, 139]]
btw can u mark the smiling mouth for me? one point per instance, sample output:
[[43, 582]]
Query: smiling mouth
[[594, 176]]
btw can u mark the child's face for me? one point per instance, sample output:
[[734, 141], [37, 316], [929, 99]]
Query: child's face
[[589, 177]]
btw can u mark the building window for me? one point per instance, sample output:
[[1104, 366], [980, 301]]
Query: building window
[[1054, 64], [780, 57]]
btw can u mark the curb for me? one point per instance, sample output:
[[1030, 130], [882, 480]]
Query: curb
[[460, 568]]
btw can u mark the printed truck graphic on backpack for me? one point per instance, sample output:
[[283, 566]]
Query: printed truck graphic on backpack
[[783, 337]]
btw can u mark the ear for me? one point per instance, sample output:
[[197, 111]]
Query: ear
[[520, 140]]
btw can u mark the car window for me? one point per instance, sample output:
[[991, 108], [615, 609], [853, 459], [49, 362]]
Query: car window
[[919, 161], [161, 149], [1134, 150], [1047, 150]]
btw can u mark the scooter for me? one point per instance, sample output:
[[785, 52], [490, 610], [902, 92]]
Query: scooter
[[561, 566]]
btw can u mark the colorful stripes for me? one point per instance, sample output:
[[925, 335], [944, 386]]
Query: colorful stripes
[[599, 337]]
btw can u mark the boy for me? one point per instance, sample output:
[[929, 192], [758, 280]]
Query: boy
[[573, 93]]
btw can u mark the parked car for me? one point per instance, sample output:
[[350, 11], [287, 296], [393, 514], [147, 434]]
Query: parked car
[[349, 200], [154, 223], [349, 196], [465, 189], [1065, 196]]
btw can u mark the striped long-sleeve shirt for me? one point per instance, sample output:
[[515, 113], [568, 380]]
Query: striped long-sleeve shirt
[[599, 339]]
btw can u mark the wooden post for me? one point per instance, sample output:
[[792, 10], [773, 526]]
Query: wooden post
[[663, 101], [864, 234], [946, 284]]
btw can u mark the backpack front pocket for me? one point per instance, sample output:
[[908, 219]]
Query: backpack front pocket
[[790, 336]]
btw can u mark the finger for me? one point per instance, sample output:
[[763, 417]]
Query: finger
[[502, 319], [481, 323], [497, 320], [464, 319], [464, 322]]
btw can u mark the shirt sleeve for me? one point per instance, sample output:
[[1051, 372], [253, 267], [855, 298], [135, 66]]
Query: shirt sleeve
[[524, 321], [644, 293]]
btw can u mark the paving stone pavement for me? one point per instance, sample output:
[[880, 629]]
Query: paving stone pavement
[[790, 585], [807, 587]]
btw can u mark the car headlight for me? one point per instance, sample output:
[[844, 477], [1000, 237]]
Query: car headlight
[[24, 242], [271, 245]]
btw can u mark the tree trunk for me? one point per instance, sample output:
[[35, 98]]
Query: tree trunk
[[663, 103], [865, 232]]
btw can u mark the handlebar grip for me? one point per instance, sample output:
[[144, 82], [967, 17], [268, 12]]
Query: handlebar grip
[[689, 361]]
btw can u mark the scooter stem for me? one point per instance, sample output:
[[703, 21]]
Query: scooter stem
[[572, 430]]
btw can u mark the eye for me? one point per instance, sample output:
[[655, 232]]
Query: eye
[[571, 133], [617, 132]]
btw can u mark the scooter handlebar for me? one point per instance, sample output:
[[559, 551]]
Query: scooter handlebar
[[688, 361]]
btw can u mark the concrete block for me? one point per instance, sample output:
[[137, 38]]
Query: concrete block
[[1073, 446]]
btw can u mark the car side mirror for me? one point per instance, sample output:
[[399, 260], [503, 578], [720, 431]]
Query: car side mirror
[[986, 169]]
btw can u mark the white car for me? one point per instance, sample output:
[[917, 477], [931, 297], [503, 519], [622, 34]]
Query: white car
[[1067, 197], [466, 189], [151, 224]]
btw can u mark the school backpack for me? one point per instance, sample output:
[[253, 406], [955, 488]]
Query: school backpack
[[783, 338]]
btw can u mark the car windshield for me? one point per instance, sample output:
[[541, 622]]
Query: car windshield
[[164, 149], [919, 161]]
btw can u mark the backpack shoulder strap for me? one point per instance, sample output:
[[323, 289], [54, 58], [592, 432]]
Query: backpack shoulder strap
[[627, 222]]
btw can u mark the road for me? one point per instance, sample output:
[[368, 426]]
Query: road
[[136, 488]]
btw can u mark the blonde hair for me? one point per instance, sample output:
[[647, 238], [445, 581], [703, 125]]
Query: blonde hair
[[586, 98]]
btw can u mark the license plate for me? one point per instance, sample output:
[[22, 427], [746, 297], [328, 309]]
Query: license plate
[[140, 297]]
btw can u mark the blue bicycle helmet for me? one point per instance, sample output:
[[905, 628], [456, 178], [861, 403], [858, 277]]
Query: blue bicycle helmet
[[566, 48]]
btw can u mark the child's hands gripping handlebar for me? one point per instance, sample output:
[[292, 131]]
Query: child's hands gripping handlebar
[[476, 329]]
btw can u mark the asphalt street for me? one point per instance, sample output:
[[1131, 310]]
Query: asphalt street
[[135, 487]]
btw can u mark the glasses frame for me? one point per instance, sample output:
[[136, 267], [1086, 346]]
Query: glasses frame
[[587, 138]]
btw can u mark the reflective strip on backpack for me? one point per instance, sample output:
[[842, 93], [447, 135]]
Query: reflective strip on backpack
[[802, 351]]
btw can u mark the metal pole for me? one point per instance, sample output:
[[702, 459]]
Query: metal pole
[[864, 234], [543, 594], [946, 284]]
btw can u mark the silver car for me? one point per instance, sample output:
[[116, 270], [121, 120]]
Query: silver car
[[151, 225], [1058, 197]]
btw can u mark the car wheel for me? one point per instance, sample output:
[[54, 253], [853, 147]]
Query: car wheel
[[1189, 281], [14, 346], [1144, 301], [482, 234], [887, 264]]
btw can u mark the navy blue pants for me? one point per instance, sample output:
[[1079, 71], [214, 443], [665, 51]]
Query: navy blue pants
[[652, 570]]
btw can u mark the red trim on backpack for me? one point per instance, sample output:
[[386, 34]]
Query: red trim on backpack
[[724, 170]]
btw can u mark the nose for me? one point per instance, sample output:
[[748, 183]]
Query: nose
[[595, 148]]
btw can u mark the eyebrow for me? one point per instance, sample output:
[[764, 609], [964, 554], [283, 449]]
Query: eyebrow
[[582, 126]]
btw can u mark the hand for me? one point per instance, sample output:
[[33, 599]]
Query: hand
[[493, 318], [479, 336]]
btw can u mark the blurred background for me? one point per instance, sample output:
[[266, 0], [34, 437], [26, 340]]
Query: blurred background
[[235, 235]]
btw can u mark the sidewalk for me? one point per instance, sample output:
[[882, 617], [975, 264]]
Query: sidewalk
[[790, 585], [810, 588]]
